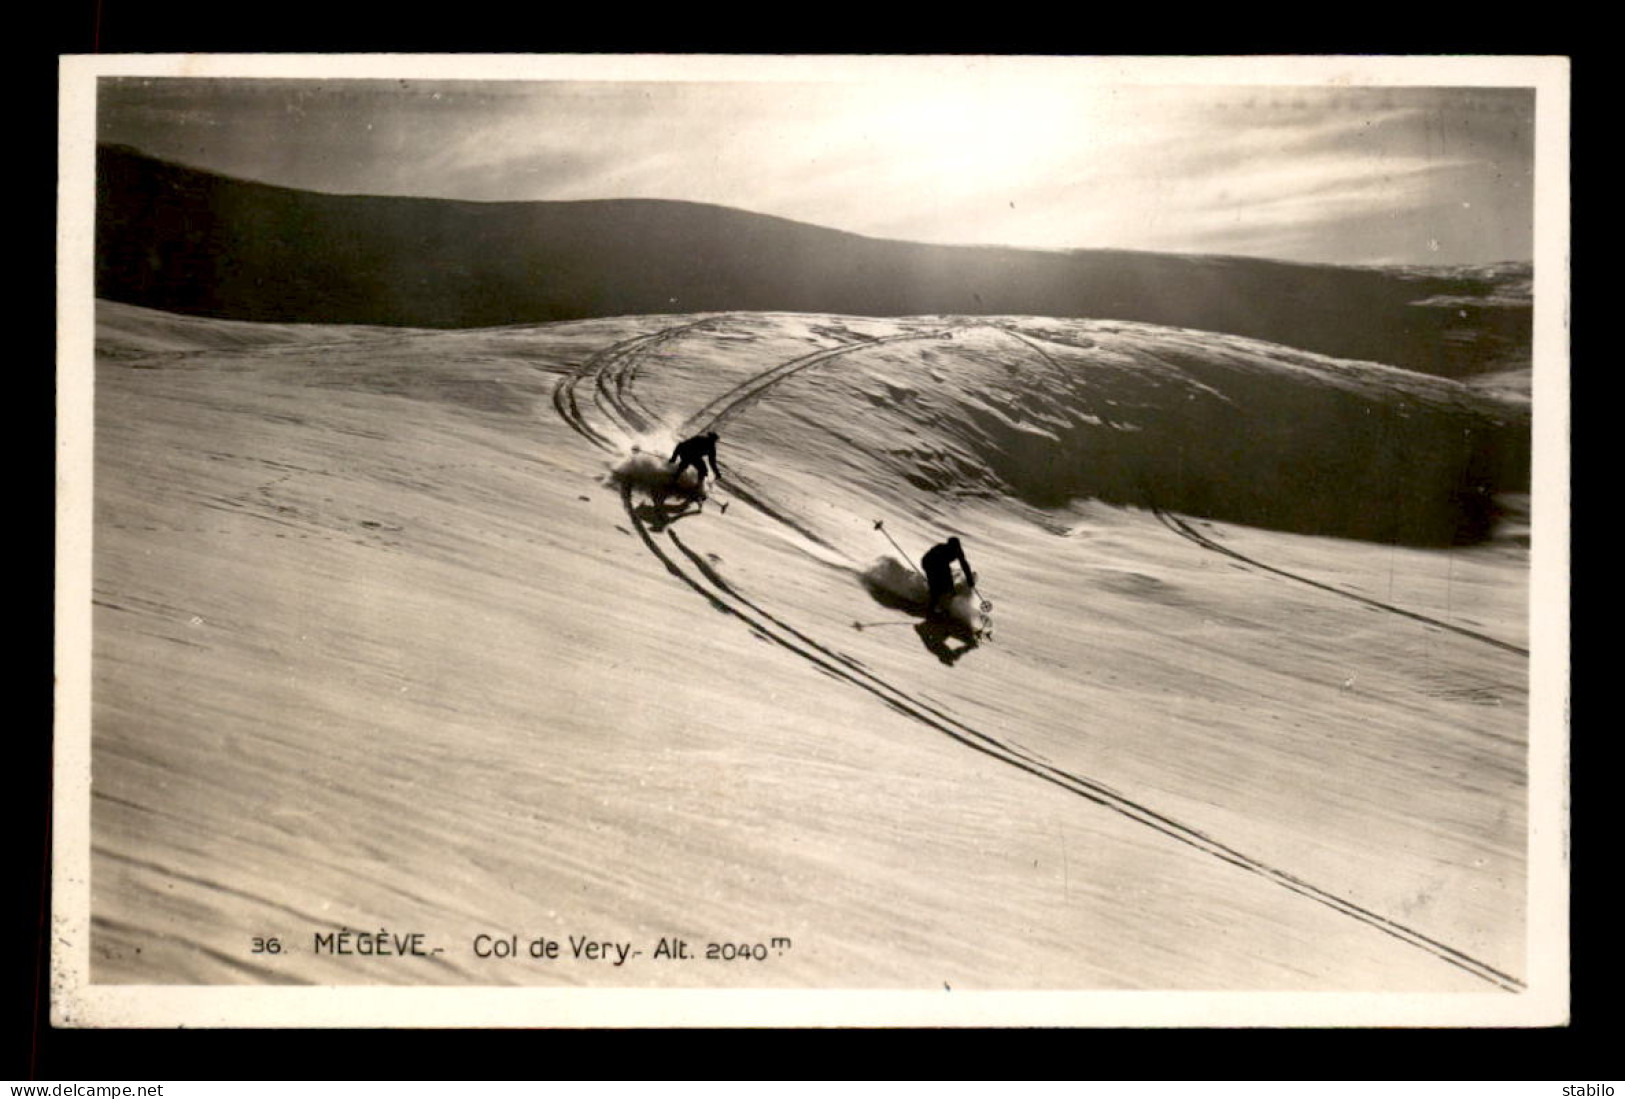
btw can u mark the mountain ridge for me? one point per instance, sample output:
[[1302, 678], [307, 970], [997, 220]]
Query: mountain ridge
[[196, 242]]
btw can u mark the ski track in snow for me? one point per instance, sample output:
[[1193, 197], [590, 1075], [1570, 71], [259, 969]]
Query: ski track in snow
[[1185, 530], [612, 372]]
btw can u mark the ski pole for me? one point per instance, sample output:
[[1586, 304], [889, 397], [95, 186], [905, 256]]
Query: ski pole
[[877, 625], [716, 483], [880, 525]]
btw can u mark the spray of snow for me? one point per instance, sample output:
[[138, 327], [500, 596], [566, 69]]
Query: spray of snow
[[894, 584], [897, 586], [648, 472]]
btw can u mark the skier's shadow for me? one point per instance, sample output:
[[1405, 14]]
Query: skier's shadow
[[658, 516], [935, 635], [944, 640]]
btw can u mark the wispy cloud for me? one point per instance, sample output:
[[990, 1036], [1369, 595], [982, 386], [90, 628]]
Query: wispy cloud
[[981, 160]]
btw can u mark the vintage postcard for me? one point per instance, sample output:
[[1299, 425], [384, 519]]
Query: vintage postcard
[[812, 541]]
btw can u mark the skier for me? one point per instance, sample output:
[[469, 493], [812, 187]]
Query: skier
[[938, 568], [696, 452]]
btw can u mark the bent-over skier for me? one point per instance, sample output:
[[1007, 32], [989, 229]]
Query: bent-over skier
[[938, 565], [696, 452]]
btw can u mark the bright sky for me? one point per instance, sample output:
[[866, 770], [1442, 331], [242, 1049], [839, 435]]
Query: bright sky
[[1337, 175]]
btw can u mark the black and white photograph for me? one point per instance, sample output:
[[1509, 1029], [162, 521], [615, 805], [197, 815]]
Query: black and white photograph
[[696, 541]]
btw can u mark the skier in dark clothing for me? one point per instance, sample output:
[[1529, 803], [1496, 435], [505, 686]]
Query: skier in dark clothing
[[696, 452], [938, 565]]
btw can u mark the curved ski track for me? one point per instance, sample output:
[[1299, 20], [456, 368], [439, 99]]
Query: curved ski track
[[1185, 530], [612, 371]]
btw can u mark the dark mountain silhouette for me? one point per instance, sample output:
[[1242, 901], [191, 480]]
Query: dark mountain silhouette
[[189, 241]]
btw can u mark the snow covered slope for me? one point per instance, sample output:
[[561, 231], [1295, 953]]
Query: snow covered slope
[[380, 643]]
